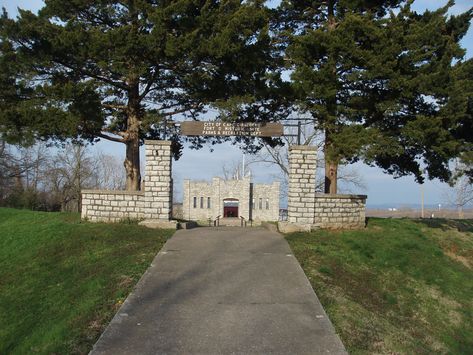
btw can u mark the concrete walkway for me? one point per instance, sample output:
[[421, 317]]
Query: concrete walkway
[[224, 290]]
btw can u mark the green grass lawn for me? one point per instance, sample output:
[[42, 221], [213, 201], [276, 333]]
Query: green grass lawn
[[400, 286], [61, 281]]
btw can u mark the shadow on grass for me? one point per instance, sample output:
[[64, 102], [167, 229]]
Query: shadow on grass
[[461, 225]]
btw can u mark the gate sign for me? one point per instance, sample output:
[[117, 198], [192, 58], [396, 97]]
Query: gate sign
[[251, 129]]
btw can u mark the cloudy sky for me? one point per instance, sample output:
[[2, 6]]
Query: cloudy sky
[[381, 188]]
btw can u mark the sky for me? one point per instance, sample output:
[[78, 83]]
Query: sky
[[382, 189]]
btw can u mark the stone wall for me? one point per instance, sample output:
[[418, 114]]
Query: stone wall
[[112, 206], [153, 205], [301, 195], [255, 201], [265, 202], [339, 211], [199, 189], [308, 210]]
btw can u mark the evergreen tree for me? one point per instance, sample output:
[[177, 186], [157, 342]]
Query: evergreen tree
[[382, 82], [115, 69]]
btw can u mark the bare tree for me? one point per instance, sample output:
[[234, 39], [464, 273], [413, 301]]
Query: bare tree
[[460, 194], [110, 173], [40, 177], [348, 177], [33, 164], [72, 169], [235, 170], [22, 172]]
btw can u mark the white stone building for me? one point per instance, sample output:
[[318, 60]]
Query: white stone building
[[230, 199]]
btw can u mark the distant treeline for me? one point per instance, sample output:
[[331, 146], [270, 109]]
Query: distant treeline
[[51, 178]]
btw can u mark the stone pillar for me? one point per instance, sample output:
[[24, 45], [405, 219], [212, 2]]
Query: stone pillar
[[301, 198], [158, 185]]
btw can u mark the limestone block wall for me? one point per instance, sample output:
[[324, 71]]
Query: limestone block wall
[[301, 194], [265, 202], [306, 208], [339, 211], [158, 180], [200, 190], [152, 204], [111, 206]]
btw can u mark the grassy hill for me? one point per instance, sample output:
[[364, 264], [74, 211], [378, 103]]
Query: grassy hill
[[400, 286], [61, 280]]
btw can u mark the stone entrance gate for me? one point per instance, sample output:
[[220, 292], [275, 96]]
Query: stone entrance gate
[[306, 209]]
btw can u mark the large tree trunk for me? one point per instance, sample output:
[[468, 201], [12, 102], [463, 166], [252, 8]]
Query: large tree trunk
[[132, 164], [134, 112], [331, 176], [132, 141], [331, 167]]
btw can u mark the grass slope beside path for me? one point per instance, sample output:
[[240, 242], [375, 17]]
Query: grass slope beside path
[[61, 280], [400, 286]]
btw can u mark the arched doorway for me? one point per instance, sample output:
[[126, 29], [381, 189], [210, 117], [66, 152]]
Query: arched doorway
[[230, 207]]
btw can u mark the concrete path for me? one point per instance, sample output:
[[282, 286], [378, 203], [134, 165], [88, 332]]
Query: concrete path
[[224, 290]]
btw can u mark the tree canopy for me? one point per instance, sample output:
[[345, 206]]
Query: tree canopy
[[115, 69], [384, 83]]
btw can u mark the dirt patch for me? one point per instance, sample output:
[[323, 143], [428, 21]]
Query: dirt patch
[[458, 258], [125, 281], [96, 325]]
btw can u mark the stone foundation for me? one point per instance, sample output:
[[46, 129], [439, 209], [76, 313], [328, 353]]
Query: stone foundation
[[112, 206]]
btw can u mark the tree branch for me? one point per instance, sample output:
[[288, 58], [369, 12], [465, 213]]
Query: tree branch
[[196, 106], [110, 138], [95, 76], [149, 85], [114, 106]]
